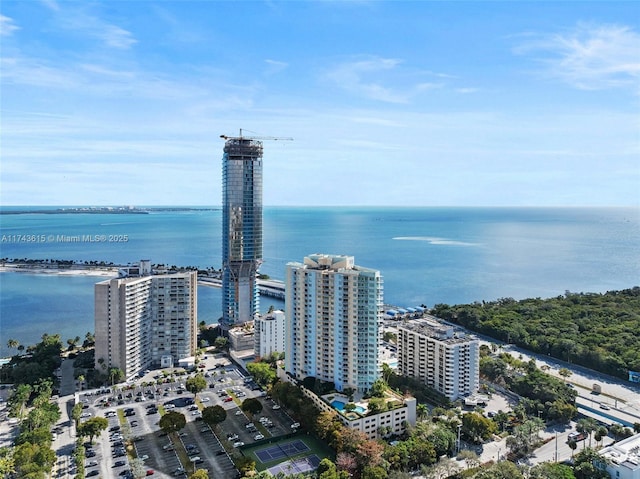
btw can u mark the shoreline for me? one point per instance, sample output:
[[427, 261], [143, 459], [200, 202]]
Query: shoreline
[[77, 270], [73, 271]]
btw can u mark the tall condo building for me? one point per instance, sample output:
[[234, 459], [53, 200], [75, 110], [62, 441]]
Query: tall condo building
[[241, 229], [443, 359], [143, 319], [333, 314]]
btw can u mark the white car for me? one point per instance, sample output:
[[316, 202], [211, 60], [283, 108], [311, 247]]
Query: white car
[[238, 412], [238, 444], [257, 437], [275, 406], [205, 399], [85, 415], [295, 425], [144, 457]]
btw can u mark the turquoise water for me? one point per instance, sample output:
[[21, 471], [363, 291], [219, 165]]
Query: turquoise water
[[339, 406], [426, 255]]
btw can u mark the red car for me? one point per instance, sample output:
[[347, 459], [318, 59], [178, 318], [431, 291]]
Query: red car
[[227, 399], [150, 472]]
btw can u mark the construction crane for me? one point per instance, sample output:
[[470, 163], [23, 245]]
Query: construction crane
[[259, 138]]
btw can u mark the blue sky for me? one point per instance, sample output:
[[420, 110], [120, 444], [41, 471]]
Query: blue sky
[[389, 103]]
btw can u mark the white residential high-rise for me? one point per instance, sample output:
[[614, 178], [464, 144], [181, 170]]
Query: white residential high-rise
[[141, 318], [333, 315], [269, 334], [445, 360]]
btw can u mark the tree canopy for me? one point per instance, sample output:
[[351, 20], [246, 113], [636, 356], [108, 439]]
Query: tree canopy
[[598, 331], [173, 421], [213, 415], [196, 384]]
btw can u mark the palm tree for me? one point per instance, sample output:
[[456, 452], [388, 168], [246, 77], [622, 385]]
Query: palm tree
[[422, 410], [13, 343]]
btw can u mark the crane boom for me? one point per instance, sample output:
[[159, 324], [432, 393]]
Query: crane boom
[[259, 138]]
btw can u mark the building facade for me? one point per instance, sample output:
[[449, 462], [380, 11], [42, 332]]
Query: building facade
[[141, 319], [241, 229], [270, 334], [443, 359], [622, 459], [333, 318]]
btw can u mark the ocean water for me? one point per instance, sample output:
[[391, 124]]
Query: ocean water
[[426, 255]]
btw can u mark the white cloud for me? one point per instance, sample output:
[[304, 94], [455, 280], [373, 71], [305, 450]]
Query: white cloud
[[94, 27], [366, 77], [7, 26], [591, 57], [275, 66]]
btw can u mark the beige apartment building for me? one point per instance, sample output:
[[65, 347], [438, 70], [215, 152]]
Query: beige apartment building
[[143, 318], [445, 360], [333, 321]]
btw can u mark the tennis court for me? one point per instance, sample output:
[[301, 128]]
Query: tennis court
[[302, 464], [279, 451]]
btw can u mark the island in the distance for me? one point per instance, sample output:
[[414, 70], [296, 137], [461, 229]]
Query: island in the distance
[[110, 210]]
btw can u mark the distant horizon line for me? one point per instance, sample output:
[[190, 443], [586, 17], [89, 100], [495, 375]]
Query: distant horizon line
[[199, 206]]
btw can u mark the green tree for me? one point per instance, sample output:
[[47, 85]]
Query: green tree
[[263, 373], [251, 405], [116, 375], [477, 427], [174, 421], [573, 445], [378, 388], [564, 372], [500, 470], [196, 384], [200, 474], [92, 427], [76, 412], [7, 466], [221, 342], [586, 426], [18, 400], [585, 465], [470, 458], [377, 405], [213, 415], [13, 343], [548, 470]]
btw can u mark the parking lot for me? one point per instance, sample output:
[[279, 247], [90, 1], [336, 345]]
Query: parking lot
[[133, 412]]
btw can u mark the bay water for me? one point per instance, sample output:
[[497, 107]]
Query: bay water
[[426, 255]]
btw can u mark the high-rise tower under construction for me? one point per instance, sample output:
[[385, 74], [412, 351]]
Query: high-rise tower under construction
[[241, 228]]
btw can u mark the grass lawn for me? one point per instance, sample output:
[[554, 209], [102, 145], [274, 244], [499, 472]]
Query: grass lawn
[[315, 447]]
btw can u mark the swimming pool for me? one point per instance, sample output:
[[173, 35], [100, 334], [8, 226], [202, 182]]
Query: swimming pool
[[339, 406]]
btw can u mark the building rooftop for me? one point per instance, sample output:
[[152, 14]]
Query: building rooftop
[[625, 453], [433, 329]]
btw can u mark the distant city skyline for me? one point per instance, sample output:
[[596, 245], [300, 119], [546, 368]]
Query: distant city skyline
[[389, 103]]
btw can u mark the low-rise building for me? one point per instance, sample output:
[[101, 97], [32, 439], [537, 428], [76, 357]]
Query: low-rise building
[[398, 414], [242, 338], [622, 459], [269, 334]]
